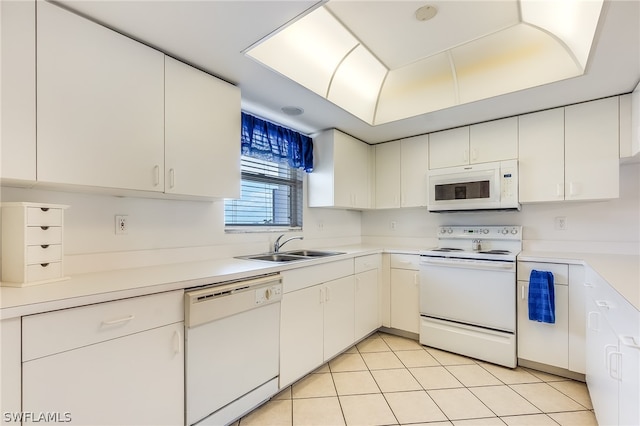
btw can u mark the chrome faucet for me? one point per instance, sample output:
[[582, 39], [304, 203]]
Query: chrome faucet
[[277, 245], [477, 245]]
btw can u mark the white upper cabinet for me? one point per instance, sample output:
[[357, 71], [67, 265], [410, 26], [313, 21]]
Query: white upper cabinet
[[541, 156], [401, 173], [388, 175], [480, 143], [202, 133], [449, 148], [414, 162], [18, 130], [100, 103], [343, 172], [592, 159], [493, 141]]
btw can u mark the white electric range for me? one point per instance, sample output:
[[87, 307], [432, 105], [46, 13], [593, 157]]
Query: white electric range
[[468, 292]]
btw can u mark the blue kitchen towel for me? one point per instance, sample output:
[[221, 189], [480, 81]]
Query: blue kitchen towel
[[541, 297]]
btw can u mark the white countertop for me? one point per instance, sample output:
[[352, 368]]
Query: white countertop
[[621, 271], [99, 287]]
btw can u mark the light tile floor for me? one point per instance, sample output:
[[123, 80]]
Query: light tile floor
[[391, 380]]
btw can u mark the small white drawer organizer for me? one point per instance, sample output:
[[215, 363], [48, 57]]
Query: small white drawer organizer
[[32, 250]]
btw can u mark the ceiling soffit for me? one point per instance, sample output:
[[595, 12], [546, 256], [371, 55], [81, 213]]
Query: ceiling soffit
[[375, 60]]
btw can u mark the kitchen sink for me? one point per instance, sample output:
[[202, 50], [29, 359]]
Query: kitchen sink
[[313, 253], [290, 256], [274, 257]]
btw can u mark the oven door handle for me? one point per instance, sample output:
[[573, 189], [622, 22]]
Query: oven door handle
[[487, 265]]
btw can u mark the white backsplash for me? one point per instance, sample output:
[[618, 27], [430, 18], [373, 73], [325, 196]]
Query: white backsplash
[[170, 231], [611, 226]]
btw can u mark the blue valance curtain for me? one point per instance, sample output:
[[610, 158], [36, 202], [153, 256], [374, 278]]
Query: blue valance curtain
[[268, 141]]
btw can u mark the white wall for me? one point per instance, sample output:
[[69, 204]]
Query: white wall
[[606, 226], [167, 231]]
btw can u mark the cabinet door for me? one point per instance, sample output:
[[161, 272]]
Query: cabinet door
[[338, 316], [601, 343], [10, 367], [541, 156], [388, 175], [137, 379], [301, 333], [100, 102], [414, 165], [542, 342], [449, 148], [592, 150], [367, 303], [494, 141], [630, 378], [202, 133], [18, 130], [405, 300], [352, 172], [577, 318]]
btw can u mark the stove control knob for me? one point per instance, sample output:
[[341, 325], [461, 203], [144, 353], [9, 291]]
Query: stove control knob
[[443, 230], [505, 231], [450, 231], [485, 231], [514, 231]]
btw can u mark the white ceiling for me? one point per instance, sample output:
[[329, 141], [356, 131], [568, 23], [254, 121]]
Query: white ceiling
[[212, 35]]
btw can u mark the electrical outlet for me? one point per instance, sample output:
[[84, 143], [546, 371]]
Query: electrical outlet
[[122, 225], [320, 226], [394, 224], [561, 223]]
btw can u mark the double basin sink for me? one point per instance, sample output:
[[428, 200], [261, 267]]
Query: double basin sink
[[291, 256]]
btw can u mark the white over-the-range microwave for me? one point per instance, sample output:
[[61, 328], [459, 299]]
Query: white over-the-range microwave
[[487, 186]]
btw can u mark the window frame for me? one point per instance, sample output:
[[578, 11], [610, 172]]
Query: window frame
[[295, 208]]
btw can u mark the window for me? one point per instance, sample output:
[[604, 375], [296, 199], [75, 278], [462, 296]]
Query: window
[[273, 161], [271, 196]]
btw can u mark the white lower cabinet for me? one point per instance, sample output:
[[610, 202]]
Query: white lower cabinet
[[405, 296], [560, 344], [612, 354], [10, 385], [112, 363], [316, 323], [339, 301], [367, 295]]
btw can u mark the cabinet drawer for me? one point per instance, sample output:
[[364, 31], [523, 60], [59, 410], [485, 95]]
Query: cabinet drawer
[[297, 279], [405, 261], [560, 271], [59, 331], [44, 271], [41, 235], [367, 263], [44, 253], [44, 216]]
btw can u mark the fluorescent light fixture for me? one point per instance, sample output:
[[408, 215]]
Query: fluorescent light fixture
[[550, 41]]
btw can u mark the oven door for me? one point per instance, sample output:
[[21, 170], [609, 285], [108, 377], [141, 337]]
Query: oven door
[[465, 188], [469, 291]]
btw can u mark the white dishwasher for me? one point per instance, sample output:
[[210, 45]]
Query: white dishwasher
[[232, 348]]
